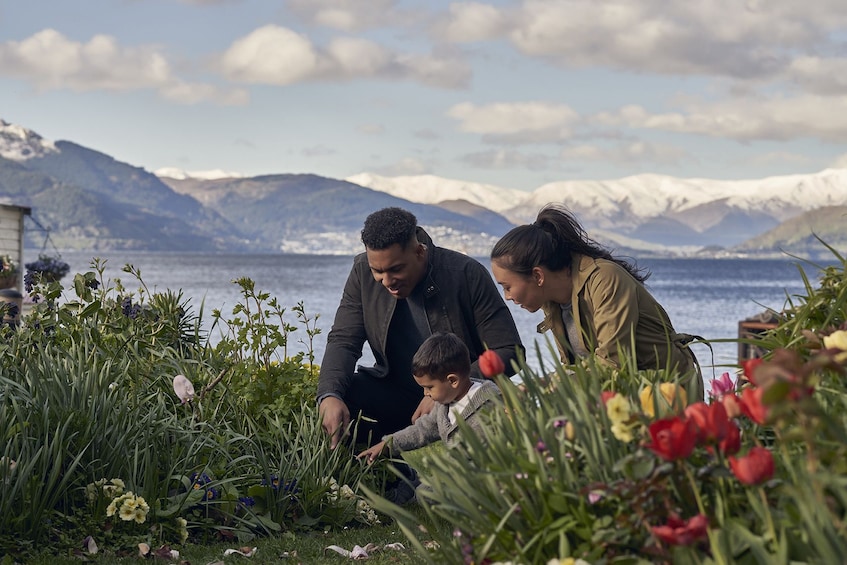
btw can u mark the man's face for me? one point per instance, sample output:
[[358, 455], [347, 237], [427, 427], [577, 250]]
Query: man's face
[[398, 270]]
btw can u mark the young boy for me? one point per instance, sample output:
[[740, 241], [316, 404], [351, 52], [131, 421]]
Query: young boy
[[442, 367]]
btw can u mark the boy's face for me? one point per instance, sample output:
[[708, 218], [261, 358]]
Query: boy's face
[[442, 391]]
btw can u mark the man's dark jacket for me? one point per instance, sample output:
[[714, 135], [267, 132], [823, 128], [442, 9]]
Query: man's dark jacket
[[460, 297]]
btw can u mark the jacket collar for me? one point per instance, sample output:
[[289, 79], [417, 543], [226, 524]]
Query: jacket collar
[[585, 265], [430, 286]]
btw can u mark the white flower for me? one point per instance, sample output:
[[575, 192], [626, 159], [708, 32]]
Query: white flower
[[183, 388]]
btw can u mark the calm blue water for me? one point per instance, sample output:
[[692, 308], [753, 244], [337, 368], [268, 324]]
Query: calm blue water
[[706, 297]]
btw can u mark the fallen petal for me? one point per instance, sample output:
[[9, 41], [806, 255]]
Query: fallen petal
[[245, 551], [359, 552], [143, 549], [396, 545], [89, 544], [339, 550]]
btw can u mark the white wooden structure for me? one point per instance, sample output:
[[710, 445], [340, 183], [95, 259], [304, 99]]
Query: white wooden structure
[[12, 236]]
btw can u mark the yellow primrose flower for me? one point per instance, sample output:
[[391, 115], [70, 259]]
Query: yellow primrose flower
[[618, 409], [111, 509], [127, 513], [837, 340], [673, 400], [623, 432]]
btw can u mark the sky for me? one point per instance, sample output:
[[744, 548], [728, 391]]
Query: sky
[[511, 93]]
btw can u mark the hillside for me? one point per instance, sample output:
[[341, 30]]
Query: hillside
[[800, 234], [89, 200]]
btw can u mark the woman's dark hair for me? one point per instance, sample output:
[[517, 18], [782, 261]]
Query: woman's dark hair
[[388, 226], [441, 354], [551, 242]]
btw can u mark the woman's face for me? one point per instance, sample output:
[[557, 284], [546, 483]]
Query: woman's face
[[523, 290]]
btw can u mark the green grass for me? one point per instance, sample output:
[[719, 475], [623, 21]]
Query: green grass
[[305, 547]]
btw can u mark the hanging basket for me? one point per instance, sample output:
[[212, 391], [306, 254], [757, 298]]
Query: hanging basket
[[8, 281]]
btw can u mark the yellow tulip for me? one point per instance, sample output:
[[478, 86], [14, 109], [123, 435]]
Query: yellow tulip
[[673, 400]]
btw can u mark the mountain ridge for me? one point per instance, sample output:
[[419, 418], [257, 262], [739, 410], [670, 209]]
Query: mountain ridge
[[92, 200]]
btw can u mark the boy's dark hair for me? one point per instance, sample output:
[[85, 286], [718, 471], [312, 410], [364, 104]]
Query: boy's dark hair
[[441, 354], [388, 226]]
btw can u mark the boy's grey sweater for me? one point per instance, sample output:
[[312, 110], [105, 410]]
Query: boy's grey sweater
[[436, 425]]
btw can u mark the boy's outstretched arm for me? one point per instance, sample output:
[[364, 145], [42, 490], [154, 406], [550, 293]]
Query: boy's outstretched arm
[[372, 452]]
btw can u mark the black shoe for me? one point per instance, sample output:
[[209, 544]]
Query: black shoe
[[401, 493]]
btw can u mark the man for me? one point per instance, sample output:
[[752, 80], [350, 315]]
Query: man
[[400, 291]]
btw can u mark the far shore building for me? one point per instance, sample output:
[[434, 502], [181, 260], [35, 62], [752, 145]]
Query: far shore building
[[12, 244]]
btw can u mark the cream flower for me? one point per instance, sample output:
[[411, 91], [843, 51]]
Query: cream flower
[[127, 513], [622, 431], [618, 409], [837, 340]]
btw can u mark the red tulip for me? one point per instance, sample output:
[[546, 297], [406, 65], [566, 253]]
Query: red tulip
[[710, 420], [750, 366], [730, 403], [672, 438], [751, 405], [754, 468], [731, 444], [606, 395], [682, 532], [491, 364]]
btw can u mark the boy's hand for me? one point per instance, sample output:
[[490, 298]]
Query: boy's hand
[[372, 452]]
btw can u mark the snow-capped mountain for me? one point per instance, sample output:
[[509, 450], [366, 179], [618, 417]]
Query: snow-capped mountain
[[19, 144], [180, 174], [652, 208], [430, 189], [120, 205]]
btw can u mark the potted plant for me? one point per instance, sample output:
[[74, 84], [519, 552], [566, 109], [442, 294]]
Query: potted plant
[[8, 271], [48, 268]]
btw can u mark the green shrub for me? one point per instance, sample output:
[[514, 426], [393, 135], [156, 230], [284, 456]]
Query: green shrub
[[88, 405]]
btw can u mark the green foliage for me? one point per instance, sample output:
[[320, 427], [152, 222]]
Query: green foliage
[[564, 472], [88, 402], [253, 351]]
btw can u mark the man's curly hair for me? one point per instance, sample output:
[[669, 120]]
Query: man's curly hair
[[388, 226]]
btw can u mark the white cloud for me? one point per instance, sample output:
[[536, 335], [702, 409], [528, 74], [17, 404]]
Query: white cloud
[[840, 162], [507, 159], [640, 152], [780, 158], [779, 119], [277, 55], [743, 40], [352, 15], [405, 166], [472, 21], [516, 121], [51, 61], [272, 55], [194, 93], [825, 76]]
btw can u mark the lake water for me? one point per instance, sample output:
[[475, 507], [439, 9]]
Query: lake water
[[707, 297]]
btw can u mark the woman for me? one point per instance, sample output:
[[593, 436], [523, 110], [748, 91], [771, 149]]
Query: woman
[[592, 301]]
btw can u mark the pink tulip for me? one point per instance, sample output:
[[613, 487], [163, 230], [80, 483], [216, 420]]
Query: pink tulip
[[722, 385]]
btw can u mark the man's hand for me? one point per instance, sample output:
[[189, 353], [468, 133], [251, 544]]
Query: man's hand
[[335, 417], [425, 407], [372, 452]]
